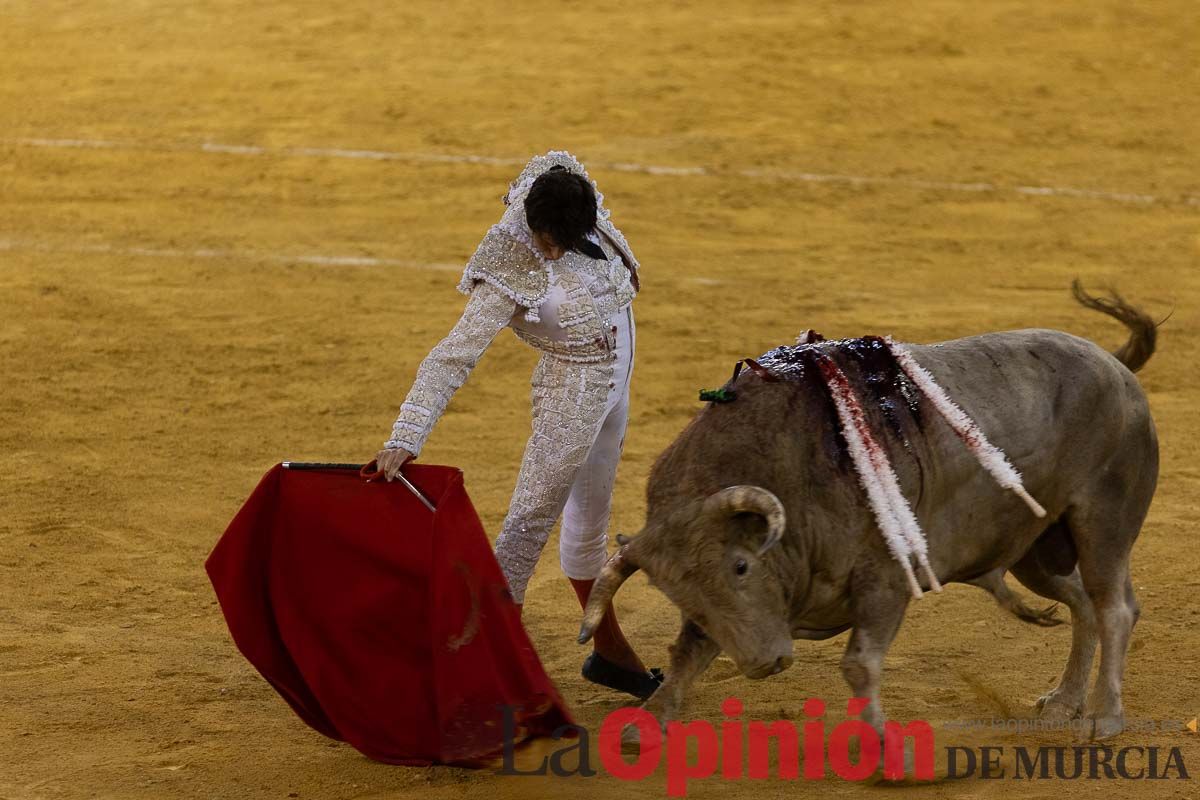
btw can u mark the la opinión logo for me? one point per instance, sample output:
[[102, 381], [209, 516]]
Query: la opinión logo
[[737, 749]]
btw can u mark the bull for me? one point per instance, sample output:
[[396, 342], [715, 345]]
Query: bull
[[759, 532]]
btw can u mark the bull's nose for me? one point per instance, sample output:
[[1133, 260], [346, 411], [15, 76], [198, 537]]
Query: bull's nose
[[781, 663]]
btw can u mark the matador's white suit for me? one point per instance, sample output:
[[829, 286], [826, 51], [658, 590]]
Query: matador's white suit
[[577, 311]]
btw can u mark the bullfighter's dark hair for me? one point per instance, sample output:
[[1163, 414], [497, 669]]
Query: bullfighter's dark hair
[[563, 205]]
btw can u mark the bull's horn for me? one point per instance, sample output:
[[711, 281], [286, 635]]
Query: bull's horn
[[754, 499], [618, 568]]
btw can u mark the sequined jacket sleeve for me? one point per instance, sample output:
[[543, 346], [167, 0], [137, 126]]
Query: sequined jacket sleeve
[[446, 367]]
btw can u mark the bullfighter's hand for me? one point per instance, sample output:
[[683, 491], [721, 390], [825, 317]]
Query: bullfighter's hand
[[389, 461]]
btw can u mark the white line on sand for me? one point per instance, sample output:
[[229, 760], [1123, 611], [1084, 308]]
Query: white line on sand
[[16, 245], [978, 187], [12, 245]]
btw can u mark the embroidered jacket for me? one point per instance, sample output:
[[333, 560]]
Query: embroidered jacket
[[562, 307]]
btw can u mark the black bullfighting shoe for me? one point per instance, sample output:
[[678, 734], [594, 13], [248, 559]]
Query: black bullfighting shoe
[[599, 670]]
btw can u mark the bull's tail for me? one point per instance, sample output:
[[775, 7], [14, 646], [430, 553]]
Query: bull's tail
[[993, 583], [1143, 330]]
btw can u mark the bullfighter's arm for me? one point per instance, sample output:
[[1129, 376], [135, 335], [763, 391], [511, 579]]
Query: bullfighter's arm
[[446, 367]]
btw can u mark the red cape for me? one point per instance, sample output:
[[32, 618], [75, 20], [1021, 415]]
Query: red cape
[[382, 624]]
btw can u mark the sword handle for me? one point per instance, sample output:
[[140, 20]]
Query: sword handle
[[364, 470]]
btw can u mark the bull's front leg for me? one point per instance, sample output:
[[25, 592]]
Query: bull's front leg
[[877, 612], [691, 655]]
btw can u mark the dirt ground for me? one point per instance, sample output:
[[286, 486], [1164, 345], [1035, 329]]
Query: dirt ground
[[176, 316]]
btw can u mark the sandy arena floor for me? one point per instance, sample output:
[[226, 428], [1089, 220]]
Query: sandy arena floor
[[178, 312]]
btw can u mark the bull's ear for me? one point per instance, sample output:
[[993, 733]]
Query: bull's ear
[[753, 499]]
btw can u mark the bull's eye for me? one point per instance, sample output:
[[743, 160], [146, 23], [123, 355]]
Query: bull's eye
[[740, 567]]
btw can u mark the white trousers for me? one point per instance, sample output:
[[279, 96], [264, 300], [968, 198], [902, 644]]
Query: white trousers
[[580, 412]]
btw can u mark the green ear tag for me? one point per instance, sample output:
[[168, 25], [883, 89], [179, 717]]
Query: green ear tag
[[717, 395]]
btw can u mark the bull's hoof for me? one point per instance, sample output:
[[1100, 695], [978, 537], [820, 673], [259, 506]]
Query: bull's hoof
[[631, 741], [1053, 707], [1096, 728], [910, 766]]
